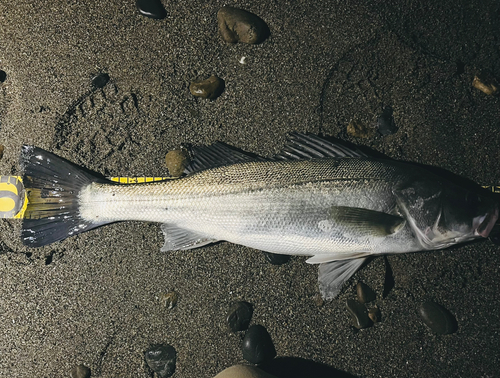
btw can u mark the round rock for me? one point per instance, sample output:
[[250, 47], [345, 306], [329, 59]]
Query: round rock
[[176, 161], [80, 371], [243, 371], [365, 293], [151, 8], [437, 318], [3, 76], [276, 258], [100, 80], [374, 314], [358, 129], [161, 359], [359, 314], [210, 88], [239, 316], [257, 345], [238, 25]]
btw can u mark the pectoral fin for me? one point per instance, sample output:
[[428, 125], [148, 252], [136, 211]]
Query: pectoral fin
[[364, 221], [177, 239], [332, 275]]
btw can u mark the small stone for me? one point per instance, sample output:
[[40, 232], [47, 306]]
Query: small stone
[[2, 148], [359, 313], [169, 299], [358, 129], [100, 80], [485, 83], [239, 316], [365, 293], [151, 8], [276, 258], [238, 25], [177, 161], [210, 88], [80, 371], [161, 359], [437, 318], [257, 345], [243, 371], [3, 76], [374, 314], [385, 122]]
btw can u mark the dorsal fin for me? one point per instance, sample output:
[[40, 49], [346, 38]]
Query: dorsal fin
[[308, 146], [217, 155]]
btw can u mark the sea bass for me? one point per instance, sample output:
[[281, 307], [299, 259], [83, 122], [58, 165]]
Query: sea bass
[[316, 198]]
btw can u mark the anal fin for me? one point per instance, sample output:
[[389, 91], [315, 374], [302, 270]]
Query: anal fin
[[332, 275], [177, 239]]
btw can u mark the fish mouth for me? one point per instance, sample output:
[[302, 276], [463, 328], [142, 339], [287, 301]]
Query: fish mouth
[[487, 224]]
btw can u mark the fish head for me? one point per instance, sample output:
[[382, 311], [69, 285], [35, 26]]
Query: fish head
[[442, 214]]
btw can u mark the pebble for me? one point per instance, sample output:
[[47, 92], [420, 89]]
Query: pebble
[[100, 80], [177, 161], [239, 316], [276, 258], [257, 345], [151, 8], [3, 76], [161, 359], [80, 371], [359, 314], [210, 88], [169, 299], [358, 129], [485, 83], [437, 318], [374, 314], [365, 293], [243, 371], [238, 25], [2, 148], [385, 122]]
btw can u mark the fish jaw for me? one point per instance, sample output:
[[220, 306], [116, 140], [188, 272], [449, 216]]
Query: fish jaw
[[486, 223]]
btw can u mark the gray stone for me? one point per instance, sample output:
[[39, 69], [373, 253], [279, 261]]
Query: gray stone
[[437, 318]]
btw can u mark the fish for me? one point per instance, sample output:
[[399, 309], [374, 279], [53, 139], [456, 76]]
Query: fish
[[317, 198]]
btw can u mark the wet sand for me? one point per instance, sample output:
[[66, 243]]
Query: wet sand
[[96, 298]]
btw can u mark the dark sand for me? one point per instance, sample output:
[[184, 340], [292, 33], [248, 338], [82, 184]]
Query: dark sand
[[94, 299]]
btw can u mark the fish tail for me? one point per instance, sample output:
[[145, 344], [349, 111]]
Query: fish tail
[[52, 187]]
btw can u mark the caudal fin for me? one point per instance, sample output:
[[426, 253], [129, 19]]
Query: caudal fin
[[52, 185]]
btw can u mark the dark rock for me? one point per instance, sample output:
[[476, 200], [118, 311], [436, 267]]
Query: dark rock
[[80, 371], [177, 161], [276, 258], [238, 25], [359, 314], [385, 122], [365, 293], [374, 314], [151, 8], [100, 80], [437, 318], [3, 76], [257, 345], [358, 129], [161, 359], [239, 316], [210, 88]]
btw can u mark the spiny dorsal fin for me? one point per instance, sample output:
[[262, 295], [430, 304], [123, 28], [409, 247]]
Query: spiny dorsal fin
[[217, 155], [308, 146]]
